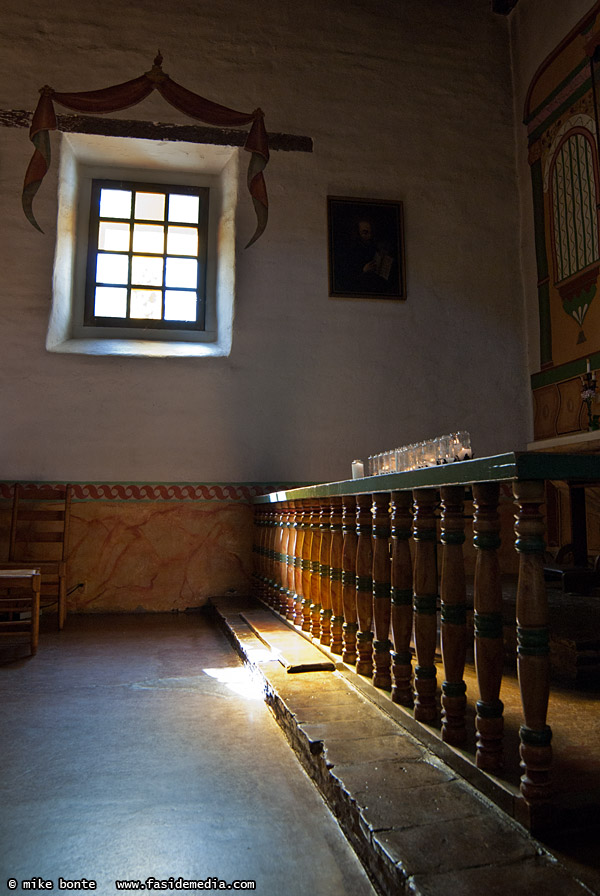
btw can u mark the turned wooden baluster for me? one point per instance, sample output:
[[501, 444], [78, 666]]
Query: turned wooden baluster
[[364, 585], [291, 564], [382, 605], [453, 595], [275, 556], [284, 538], [278, 557], [402, 597], [298, 562], [533, 652], [325, 573], [335, 562], [425, 603], [349, 578], [307, 547], [256, 558], [489, 641], [265, 565], [269, 538], [315, 570]]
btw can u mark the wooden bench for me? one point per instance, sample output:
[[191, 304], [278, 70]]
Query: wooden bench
[[20, 604]]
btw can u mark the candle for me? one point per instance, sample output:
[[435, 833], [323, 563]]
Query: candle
[[589, 366], [358, 469]]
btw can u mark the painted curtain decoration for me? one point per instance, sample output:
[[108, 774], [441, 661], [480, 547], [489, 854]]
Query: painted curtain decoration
[[122, 96]]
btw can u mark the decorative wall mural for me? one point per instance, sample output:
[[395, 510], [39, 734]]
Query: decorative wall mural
[[561, 116], [562, 122]]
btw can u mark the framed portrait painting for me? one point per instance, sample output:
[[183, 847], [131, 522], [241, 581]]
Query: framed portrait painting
[[366, 248]]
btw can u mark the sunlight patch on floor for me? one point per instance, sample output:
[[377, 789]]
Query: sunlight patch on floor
[[239, 680]]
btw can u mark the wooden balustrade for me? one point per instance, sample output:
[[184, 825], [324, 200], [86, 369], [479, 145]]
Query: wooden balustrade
[[315, 573], [355, 565], [298, 561], [350, 627], [382, 600], [489, 640], [533, 649], [325, 575], [425, 603], [335, 573], [453, 595], [309, 522], [291, 562], [364, 585], [401, 578]]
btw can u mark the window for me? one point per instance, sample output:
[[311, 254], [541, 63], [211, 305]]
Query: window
[[144, 261], [574, 205], [146, 256]]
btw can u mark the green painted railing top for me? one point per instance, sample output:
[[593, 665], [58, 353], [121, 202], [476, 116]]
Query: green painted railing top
[[502, 467]]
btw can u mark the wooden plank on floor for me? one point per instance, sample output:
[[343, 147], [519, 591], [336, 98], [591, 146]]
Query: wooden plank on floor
[[295, 653]]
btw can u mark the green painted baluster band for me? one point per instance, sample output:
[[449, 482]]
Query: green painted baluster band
[[425, 604], [401, 597], [533, 641], [488, 625], [454, 614]]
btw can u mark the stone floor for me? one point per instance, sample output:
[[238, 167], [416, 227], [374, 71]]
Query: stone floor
[[419, 814], [139, 745]]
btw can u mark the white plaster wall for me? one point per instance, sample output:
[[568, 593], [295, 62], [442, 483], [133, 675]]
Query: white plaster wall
[[536, 29], [408, 101]]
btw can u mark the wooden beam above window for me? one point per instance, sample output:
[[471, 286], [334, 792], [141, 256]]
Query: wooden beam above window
[[150, 130]]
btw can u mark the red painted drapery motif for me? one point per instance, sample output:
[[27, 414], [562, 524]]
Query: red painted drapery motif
[[122, 96]]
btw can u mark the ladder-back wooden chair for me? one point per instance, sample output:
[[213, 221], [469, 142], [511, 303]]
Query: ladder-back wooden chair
[[39, 535], [20, 606]]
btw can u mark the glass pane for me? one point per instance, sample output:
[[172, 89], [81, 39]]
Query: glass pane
[[115, 203], [182, 241], [113, 236], [182, 272], [148, 238], [110, 301], [184, 208], [150, 206], [112, 268], [146, 304], [180, 305], [146, 271]]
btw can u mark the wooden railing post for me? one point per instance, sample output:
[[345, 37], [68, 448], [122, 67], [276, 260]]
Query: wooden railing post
[[533, 653], [402, 597], [307, 544], [291, 562], [335, 562], [256, 556], [382, 606], [349, 578], [315, 571], [325, 573], [489, 640], [284, 541], [298, 561], [270, 554], [364, 585], [425, 603], [453, 594]]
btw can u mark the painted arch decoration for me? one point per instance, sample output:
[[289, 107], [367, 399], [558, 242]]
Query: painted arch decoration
[[561, 116], [123, 96]]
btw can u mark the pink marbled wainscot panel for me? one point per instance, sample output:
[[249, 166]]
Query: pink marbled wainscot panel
[[157, 556]]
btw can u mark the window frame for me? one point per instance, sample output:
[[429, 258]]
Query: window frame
[[85, 157], [140, 325]]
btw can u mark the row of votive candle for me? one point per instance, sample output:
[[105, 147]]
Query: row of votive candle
[[442, 450]]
